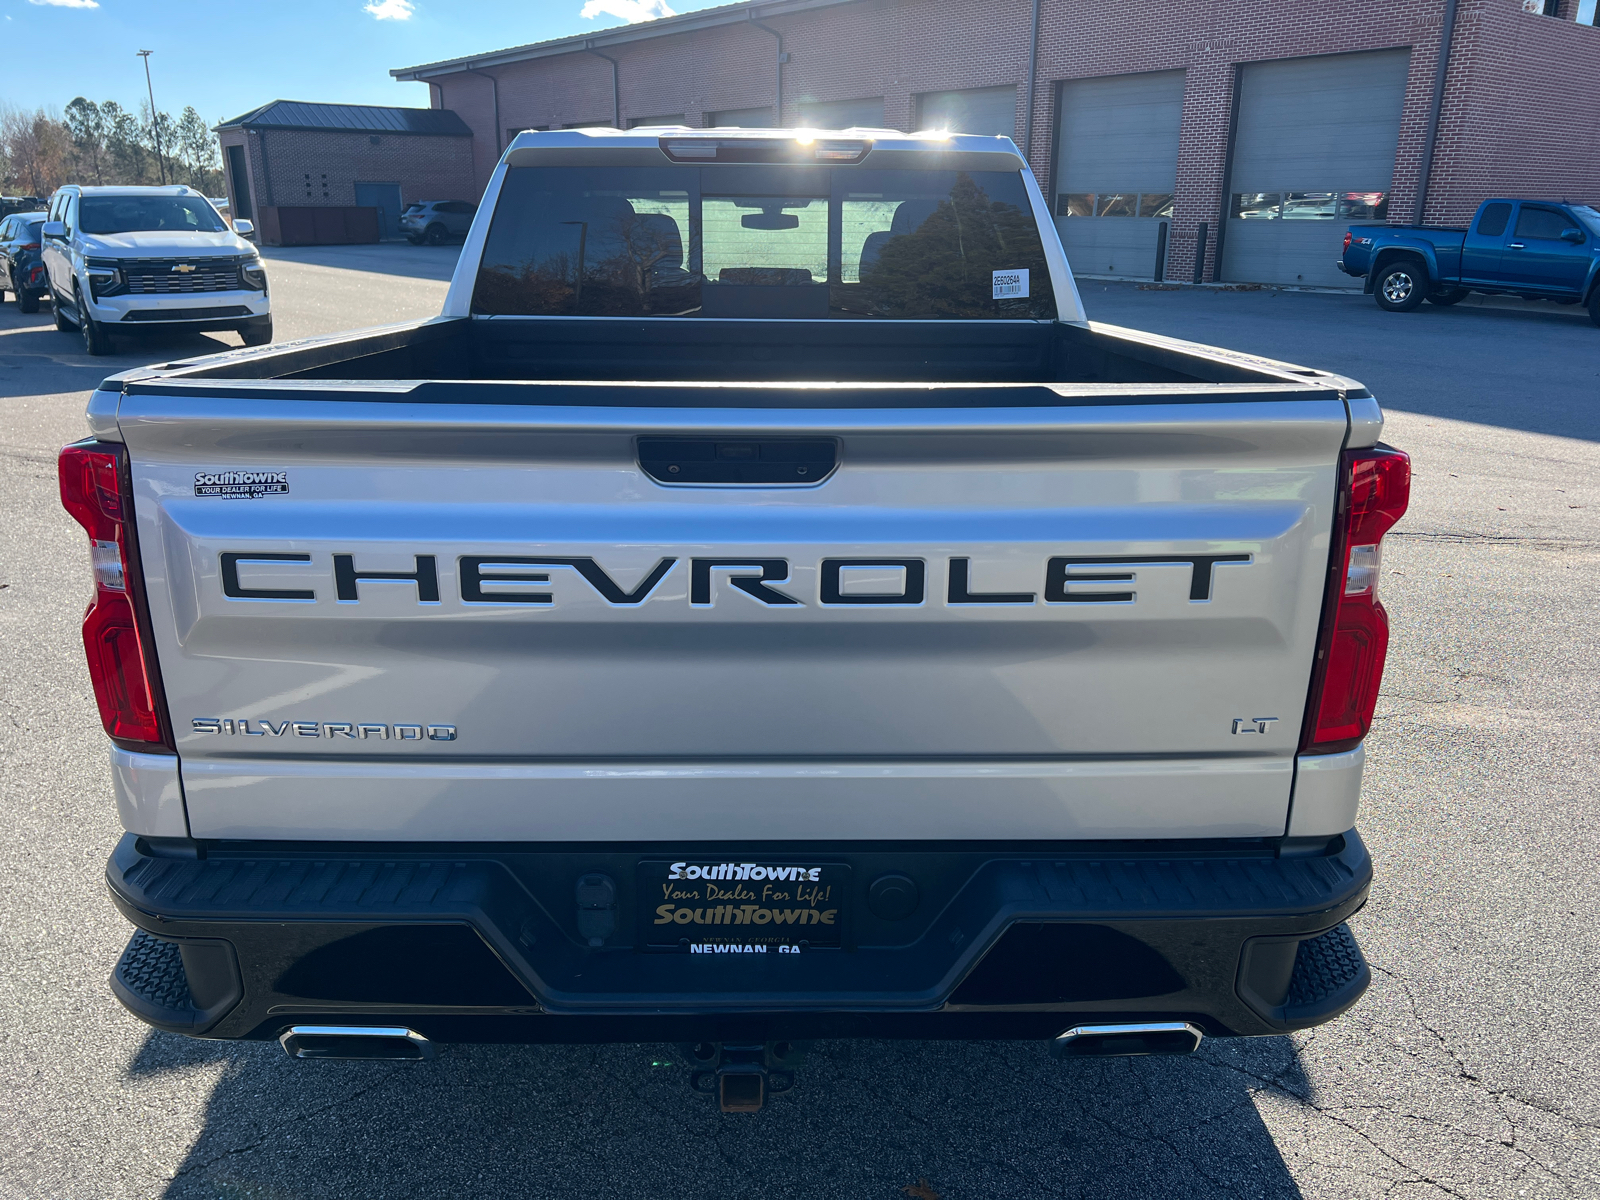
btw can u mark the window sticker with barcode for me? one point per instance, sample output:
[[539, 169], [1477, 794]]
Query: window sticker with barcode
[[1010, 285]]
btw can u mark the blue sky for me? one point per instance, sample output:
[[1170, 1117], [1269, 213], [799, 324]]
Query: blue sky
[[226, 57]]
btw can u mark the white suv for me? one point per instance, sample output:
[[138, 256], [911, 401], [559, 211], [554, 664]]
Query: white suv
[[140, 259], [434, 221]]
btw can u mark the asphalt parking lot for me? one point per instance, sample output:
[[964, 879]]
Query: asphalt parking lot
[[1471, 1069]]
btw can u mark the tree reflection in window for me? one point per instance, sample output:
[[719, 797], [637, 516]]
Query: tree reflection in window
[[617, 252], [939, 257]]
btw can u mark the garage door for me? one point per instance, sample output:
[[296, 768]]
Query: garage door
[[1116, 169], [1314, 152], [866, 113], [991, 111]]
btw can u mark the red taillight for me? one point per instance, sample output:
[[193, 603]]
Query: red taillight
[[1373, 495], [1347, 237], [94, 490]]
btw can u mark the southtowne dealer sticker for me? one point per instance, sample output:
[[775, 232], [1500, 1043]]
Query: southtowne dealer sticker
[[246, 485], [751, 907]]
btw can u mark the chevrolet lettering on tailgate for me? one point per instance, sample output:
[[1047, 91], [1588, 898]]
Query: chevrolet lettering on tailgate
[[1063, 579]]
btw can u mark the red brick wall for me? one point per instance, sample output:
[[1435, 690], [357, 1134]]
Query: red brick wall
[[889, 48], [899, 48], [1522, 112], [426, 168]]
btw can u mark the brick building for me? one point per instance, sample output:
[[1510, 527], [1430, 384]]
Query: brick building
[[292, 155], [1258, 131]]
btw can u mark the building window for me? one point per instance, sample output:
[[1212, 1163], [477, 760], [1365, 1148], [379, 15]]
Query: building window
[[1256, 206], [1313, 206], [1115, 204], [1587, 14], [1155, 204], [1363, 206], [1310, 206]]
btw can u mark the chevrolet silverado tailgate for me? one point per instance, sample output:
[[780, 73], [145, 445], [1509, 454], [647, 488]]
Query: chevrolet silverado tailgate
[[996, 616]]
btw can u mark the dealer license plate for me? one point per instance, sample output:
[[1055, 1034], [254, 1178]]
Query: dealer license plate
[[742, 905]]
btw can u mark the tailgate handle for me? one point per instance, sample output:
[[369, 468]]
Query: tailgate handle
[[734, 460]]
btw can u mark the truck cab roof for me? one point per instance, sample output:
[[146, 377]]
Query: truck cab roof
[[796, 144]]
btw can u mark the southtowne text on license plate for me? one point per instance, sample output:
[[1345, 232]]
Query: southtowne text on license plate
[[752, 907]]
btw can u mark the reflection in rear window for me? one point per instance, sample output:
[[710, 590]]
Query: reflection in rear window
[[737, 240]]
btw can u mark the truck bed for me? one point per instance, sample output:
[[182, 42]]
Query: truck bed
[[432, 356]]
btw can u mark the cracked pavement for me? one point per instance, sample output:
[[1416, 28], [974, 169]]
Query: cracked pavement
[[1471, 1068]]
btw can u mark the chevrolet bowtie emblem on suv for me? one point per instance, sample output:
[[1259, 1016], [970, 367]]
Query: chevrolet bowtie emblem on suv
[[185, 268]]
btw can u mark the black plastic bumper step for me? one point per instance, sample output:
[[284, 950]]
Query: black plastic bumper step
[[159, 981]]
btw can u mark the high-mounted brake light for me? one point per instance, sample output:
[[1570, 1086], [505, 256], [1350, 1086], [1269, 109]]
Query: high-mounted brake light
[[95, 491], [1373, 495], [803, 147]]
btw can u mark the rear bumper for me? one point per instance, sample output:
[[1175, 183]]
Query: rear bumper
[[465, 943]]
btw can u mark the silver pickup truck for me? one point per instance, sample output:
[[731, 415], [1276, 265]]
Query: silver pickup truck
[[760, 608]]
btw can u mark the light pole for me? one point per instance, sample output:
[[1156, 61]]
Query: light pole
[[155, 120], [577, 291]]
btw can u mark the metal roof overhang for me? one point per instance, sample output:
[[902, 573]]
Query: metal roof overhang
[[314, 117]]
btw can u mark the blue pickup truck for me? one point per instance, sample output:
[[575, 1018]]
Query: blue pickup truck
[[1538, 249]]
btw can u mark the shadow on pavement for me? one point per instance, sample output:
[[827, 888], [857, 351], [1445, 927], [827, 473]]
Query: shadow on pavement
[[867, 1119], [37, 359], [384, 258], [1535, 369]]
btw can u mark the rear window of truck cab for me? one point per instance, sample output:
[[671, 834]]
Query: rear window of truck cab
[[760, 240]]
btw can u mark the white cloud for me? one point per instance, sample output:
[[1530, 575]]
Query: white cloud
[[391, 10], [631, 11], [65, 4]]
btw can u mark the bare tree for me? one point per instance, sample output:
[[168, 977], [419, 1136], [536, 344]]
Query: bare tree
[[102, 143], [37, 150]]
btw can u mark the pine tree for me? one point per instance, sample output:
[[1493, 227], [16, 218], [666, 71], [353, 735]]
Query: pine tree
[[87, 124], [196, 146], [122, 143]]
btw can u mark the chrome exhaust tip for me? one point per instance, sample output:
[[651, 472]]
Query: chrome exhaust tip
[[369, 1042], [1106, 1041]]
